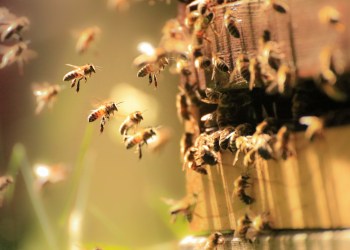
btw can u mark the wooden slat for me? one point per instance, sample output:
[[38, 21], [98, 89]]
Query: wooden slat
[[308, 190]]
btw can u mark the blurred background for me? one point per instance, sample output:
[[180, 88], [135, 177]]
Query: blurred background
[[110, 198]]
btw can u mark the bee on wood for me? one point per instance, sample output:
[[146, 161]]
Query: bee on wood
[[5, 181], [202, 23], [153, 69], [282, 145], [206, 155], [242, 65], [45, 95], [225, 137], [19, 53], [315, 127], [231, 23], [85, 38], [278, 5], [241, 130], [139, 139], [330, 15], [215, 137], [182, 107], [104, 112], [244, 144], [79, 73], [214, 240], [185, 207], [190, 161], [219, 64], [210, 122], [243, 224], [262, 222], [240, 185], [131, 121]]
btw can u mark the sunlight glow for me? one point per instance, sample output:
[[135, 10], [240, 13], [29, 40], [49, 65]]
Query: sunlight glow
[[146, 48], [42, 171]]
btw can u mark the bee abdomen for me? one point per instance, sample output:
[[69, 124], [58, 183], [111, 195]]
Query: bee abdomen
[[143, 71], [93, 116], [233, 29], [69, 76], [123, 128]]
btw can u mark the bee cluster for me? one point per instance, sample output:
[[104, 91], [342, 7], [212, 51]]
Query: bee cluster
[[245, 87], [12, 48]]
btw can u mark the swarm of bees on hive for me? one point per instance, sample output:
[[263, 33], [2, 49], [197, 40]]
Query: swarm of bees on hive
[[246, 102]]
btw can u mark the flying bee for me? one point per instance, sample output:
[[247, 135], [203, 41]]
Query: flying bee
[[240, 185], [219, 64], [16, 53], [45, 95], [5, 181], [243, 224], [231, 23], [214, 240], [153, 69], [186, 207], [13, 28], [104, 112], [139, 139], [79, 73], [85, 38], [315, 127], [49, 174], [131, 121]]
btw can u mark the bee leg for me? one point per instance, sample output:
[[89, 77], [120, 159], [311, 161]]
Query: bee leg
[[78, 85], [155, 80], [86, 78], [140, 150], [102, 124], [149, 78], [73, 83]]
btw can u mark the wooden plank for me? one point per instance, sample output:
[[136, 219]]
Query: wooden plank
[[308, 190]]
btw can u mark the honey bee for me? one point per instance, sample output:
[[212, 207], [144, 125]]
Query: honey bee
[[262, 222], [12, 26], [153, 69], [79, 73], [5, 181], [49, 174], [161, 139], [206, 155], [243, 144], [131, 121], [186, 207], [315, 127], [224, 138], [278, 5], [240, 185], [330, 15], [219, 64], [16, 53], [210, 123], [201, 25], [190, 161], [182, 107], [243, 224], [214, 240], [86, 37], [45, 95], [231, 23], [139, 139], [241, 130], [104, 112]]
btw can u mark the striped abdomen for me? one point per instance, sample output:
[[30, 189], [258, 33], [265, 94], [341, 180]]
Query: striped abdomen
[[145, 70], [71, 75], [96, 114]]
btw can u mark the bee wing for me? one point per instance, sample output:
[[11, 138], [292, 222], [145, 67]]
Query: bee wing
[[3, 49], [40, 106], [29, 54], [6, 15], [168, 201], [74, 66]]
